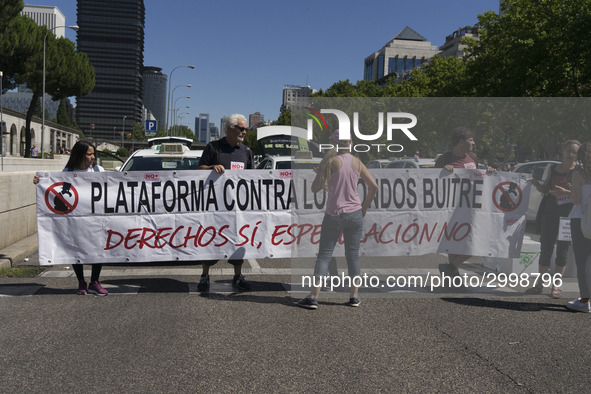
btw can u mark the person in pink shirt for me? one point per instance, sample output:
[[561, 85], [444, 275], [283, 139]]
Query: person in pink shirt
[[339, 173]]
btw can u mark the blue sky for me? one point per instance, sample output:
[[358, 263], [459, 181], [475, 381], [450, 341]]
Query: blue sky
[[245, 52]]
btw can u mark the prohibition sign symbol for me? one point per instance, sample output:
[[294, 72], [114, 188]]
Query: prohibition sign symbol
[[507, 196], [68, 203]]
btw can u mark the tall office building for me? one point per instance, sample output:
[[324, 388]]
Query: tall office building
[[255, 120], [202, 130], [111, 33], [48, 16], [214, 133], [154, 93], [223, 122], [295, 96], [453, 43], [406, 51]]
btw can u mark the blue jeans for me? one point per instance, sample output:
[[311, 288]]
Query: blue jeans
[[351, 224]]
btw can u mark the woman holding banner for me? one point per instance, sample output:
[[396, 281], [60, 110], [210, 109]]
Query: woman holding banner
[[82, 159], [581, 197], [339, 173], [555, 204]]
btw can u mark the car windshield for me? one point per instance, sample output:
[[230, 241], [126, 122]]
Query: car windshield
[[159, 163]]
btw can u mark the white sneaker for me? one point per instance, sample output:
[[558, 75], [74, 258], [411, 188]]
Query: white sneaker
[[578, 306]]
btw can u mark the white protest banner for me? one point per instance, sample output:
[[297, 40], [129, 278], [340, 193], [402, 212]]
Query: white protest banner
[[199, 215], [422, 211]]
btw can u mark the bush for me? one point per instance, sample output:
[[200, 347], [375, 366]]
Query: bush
[[123, 152]]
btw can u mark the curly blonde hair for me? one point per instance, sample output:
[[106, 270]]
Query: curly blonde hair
[[325, 169]]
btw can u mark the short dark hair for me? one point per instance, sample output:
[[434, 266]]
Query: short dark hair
[[460, 134]]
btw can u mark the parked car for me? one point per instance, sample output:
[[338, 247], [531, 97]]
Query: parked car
[[164, 154], [301, 160], [380, 163], [539, 170], [411, 163]]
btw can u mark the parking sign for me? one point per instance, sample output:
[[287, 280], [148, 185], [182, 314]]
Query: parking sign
[[151, 127]]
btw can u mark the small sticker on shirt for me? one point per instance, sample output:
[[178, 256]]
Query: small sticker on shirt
[[236, 165], [563, 200], [470, 166]]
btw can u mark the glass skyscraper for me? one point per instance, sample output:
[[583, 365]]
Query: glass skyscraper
[[111, 33], [155, 93]]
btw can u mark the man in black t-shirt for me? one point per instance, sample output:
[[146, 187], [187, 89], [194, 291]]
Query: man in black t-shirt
[[228, 153]]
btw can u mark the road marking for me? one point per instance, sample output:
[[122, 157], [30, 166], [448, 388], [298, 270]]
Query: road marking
[[124, 289], [253, 264]]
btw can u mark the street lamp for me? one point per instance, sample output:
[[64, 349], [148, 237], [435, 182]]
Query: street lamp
[[174, 106], [168, 99], [171, 109], [174, 111], [75, 28], [180, 123]]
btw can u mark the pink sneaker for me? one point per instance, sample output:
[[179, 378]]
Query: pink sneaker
[[97, 289], [82, 288]]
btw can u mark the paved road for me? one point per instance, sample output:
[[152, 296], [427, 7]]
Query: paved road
[[156, 333]]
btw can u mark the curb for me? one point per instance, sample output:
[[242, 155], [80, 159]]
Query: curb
[[14, 254]]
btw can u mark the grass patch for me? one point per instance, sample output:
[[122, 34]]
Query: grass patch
[[20, 272]]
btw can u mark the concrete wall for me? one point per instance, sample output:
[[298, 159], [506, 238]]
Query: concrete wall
[[17, 164], [18, 208]]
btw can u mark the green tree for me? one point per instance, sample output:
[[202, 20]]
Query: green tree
[[137, 133], [251, 141], [9, 9], [186, 132], [536, 48], [68, 72], [62, 114], [441, 77], [284, 118]]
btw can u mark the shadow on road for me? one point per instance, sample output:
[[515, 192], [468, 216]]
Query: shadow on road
[[525, 306]]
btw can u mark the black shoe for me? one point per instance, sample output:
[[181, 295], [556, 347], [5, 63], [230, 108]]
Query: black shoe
[[353, 301], [307, 303], [203, 283], [240, 283], [449, 270]]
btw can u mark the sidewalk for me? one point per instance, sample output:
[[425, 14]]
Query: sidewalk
[[15, 254]]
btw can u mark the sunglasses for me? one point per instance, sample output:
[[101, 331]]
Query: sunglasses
[[240, 128]]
